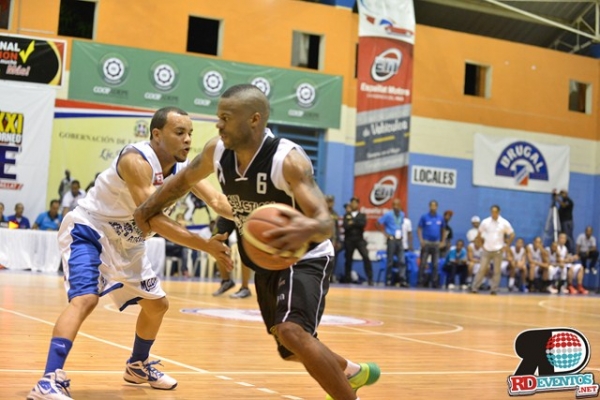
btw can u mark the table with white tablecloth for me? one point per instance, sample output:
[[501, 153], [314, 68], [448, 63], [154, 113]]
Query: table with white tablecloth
[[24, 249]]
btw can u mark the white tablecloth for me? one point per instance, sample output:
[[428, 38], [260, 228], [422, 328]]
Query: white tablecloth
[[38, 251]]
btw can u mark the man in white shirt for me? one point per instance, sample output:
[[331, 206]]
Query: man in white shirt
[[474, 231], [72, 197], [494, 231], [587, 249]]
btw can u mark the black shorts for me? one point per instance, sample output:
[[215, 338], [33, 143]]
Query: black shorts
[[296, 294]]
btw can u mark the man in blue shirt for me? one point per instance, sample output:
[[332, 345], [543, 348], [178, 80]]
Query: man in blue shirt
[[390, 224], [431, 237], [49, 220], [456, 262], [18, 218]]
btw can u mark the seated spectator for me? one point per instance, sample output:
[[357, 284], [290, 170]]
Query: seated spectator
[[474, 231], [72, 197], [474, 252], [18, 220], [457, 262], [587, 250], [49, 220], [3, 219], [557, 273], [573, 266]]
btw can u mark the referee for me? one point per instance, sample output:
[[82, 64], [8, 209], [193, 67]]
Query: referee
[[497, 234]]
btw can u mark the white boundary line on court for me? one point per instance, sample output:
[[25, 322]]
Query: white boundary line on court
[[180, 364]]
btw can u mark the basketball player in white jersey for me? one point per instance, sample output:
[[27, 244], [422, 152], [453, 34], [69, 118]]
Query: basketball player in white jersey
[[573, 266], [557, 273], [254, 168], [537, 258], [474, 253], [104, 252], [518, 262]]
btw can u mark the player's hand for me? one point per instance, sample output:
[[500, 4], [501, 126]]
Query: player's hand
[[141, 221], [220, 251], [292, 237]]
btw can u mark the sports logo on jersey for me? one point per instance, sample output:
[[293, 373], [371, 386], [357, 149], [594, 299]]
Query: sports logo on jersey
[[383, 190], [386, 65], [149, 284], [522, 161], [551, 360], [158, 179]]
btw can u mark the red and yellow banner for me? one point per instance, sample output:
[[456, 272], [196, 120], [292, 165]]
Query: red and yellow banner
[[385, 54]]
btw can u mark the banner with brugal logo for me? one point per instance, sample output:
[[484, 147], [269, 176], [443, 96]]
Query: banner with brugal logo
[[518, 164], [385, 58]]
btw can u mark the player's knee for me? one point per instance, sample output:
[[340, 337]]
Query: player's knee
[[290, 334], [155, 306], [85, 303]]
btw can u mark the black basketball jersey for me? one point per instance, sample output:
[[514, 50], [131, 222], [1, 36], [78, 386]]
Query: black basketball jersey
[[256, 187]]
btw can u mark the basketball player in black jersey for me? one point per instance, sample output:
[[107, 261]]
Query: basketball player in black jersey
[[255, 168]]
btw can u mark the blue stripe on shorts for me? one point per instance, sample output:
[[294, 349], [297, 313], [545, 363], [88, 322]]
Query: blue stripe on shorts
[[84, 261]]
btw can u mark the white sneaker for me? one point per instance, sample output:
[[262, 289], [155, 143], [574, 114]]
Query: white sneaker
[[451, 286], [144, 372], [52, 386], [464, 287], [552, 290]]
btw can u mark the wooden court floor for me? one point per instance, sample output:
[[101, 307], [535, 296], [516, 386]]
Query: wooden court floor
[[429, 344]]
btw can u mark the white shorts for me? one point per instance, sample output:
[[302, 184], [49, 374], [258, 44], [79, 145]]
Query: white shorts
[[555, 272], [505, 267], [476, 268], [574, 267], [105, 258]]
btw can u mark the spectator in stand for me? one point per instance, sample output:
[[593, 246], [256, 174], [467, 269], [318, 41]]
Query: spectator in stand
[[587, 249], [49, 220], [3, 219], [457, 263], [518, 262], [335, 235], [474, 231], [391, 224], [72, 197], [447, 245], [432, 237], [354, 228], [565, 215], [65, 185], [18, 219]]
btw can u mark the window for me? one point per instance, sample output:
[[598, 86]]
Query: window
[[5, 13], [204, 35], [580, 97], [77, 18], [477, 80], [306, 50], [312, 140]]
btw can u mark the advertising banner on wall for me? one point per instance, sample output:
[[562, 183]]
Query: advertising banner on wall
[[87, 137], [518, 164], [151, 79], [385, 54], [33, 60], [25, 130]]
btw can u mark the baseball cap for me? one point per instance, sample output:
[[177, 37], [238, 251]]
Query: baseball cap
[[475, 218]]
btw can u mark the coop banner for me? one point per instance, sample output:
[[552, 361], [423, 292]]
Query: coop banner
[[151, 79], [518, 164], [32, 60], [86, 138], [25, 131]]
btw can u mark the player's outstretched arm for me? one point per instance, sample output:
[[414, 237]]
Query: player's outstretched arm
[[175, 187], [137, 174], [316, 224]]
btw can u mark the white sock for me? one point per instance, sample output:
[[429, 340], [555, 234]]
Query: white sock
[[511, 282], [351, 369]]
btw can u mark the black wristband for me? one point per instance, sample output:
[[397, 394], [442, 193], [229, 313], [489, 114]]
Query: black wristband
[[223, 225]]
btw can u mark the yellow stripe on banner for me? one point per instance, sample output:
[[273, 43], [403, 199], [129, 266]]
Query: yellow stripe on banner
[[358, 144], [384, 139]]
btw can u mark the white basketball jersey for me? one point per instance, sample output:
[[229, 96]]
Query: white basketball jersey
[[552, 257], [563, 252], [536, 255], [476, 251], [517, 255], [110, 200]]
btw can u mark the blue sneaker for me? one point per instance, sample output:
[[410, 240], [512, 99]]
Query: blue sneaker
[[369, 374], [52, 386], [144, 372]]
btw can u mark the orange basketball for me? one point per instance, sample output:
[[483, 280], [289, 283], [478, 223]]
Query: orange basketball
[[256, 245]]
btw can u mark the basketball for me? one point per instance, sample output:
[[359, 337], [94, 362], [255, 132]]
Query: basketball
[[256, 245]]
